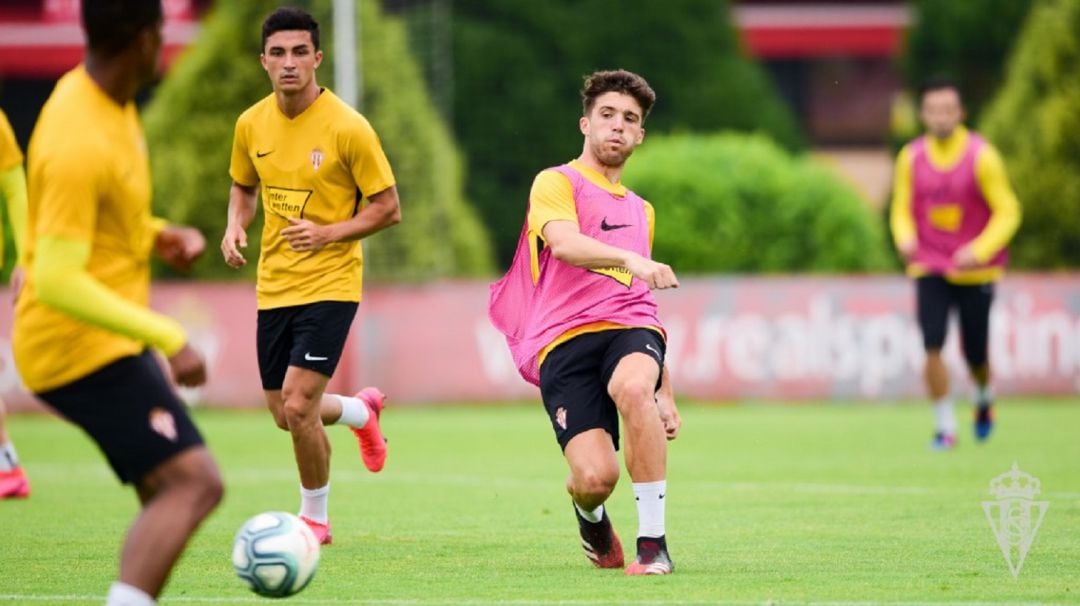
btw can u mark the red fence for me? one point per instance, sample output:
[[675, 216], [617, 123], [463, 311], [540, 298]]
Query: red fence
[[731, 338]]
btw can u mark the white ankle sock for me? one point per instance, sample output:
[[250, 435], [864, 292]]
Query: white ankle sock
[[943, 415], [313, 503], [592, 516], [983, 395], [8, 459], [354, 412], [650, 507], [122, 594]]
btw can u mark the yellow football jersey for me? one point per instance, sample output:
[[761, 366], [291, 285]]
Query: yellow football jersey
[[10, 154], [89, 181], [316, 166], [10, 157]]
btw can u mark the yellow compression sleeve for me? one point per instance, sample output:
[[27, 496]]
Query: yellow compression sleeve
[[63, 283], [900, 218], [1004, 207], [13, 186]]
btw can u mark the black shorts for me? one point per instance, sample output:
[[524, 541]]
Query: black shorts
[[936, 297], [130, 409], [574, 379], [309, 336]]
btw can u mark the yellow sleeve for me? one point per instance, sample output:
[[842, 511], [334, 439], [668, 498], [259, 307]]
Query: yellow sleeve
[[10, 154], [650, 218], [1004, 207], [62, 282], [900, 217], [241, 168], [13, 187], [551, 199], [367, 161]]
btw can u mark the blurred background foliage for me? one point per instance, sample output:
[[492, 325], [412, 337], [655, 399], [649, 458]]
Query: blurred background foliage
[[1035, 122], [518, 68], [967, 41], [189, 125], [738, 203]]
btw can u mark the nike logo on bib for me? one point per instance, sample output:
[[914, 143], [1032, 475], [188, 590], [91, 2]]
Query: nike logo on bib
[[260, 154], [311, 358], [607, 227]]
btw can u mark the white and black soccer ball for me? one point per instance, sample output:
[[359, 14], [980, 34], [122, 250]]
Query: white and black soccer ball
[[275, 553]]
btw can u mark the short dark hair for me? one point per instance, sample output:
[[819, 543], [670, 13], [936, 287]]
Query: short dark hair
[[290, 18], [940, 82], [619, 81], [112, 25]]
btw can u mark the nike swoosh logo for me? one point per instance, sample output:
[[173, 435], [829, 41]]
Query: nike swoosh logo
[[607, 227], [654, 350], [661, 495], [260, 154], [311, 358]]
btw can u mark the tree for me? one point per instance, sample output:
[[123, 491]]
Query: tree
[[1035, 122], [518, 69], [190, 121]]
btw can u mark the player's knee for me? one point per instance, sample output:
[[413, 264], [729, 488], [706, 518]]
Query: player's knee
[[299, 413], [595, 483], [633, 395]]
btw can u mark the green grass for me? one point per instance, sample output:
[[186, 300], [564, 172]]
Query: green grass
[[779, 503]]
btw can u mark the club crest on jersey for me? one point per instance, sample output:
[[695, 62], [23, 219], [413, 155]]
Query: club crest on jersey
[[316, 158], [560, 417], [163, 423]]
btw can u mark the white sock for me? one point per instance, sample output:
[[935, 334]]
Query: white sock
[[313, 503], [943, 415], [650, 507], [8, 459], [122, 594], [983, 394], [354, 412], [592, 516]]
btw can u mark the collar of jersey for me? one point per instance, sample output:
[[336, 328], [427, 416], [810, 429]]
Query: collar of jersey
[[945, 153], [615, 189]]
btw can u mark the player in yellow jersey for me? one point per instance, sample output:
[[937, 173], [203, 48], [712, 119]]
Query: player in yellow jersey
[[953, 214], [313, 159], [13, 481], [82, 321]]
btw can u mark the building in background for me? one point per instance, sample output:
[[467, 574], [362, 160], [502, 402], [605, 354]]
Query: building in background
[[836, 64], [42, 39]]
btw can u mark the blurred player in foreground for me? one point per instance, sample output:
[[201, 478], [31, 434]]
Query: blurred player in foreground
[[82, 324], [13, 481], [953, 213], [315, 159], [581, 321]]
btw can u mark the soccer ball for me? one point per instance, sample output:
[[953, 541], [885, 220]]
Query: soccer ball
[[275, 553]]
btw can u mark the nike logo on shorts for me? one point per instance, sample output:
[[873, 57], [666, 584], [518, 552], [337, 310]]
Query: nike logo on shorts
[[649, 347], [311, 358]]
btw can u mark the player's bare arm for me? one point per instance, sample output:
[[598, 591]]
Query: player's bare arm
[[665, 404], [569, 245], [241, 212], [383, 210], [188, 367]]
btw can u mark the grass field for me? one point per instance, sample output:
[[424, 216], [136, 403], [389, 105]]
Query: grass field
[[836, 504]]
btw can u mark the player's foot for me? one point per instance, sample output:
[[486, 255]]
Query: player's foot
[[943, 441], [372, 440], [322, 531], [13, 484], [984, 420], [652, 557], [600, 542]]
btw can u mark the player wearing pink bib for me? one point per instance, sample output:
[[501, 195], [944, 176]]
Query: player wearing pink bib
[[953, 213], [578, 313]]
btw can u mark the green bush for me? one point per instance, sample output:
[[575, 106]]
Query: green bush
[[739, 203], [190, 121], [518, 69], [1035, 122]]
